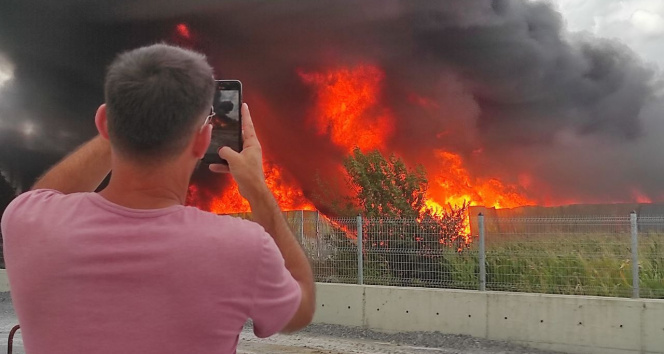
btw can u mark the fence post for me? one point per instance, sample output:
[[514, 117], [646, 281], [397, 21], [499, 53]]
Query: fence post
[[482, 255], [317, 234], [360, 258], [302, 227], [635, 255]]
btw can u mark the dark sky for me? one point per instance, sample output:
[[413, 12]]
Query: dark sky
[[582, 116]]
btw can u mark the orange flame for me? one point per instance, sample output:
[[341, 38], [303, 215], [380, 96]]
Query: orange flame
[[288, 195], [347, 107], [454, 185]]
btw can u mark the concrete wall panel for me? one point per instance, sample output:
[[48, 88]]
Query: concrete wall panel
[[573, 324], [459, 312], [4, 281], [392, 309], [653, 326], [339, 304], [434, 310], [583, 322]]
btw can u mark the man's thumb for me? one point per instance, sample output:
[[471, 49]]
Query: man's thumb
[[228, 154]]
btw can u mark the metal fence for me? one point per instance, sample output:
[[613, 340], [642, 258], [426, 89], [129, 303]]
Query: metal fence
[[602, 256]]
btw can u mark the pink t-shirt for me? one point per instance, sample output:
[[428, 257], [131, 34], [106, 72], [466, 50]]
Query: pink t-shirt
[[90, 276]]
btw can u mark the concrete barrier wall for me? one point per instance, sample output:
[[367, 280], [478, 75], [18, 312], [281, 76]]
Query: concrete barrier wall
[[573, 324], [4, 281]]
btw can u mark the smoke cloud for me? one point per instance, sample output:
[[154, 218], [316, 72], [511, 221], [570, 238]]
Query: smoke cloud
[[568, 117]]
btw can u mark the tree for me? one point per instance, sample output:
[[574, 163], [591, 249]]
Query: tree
[[7, 194], [385, 187], [401, 235]]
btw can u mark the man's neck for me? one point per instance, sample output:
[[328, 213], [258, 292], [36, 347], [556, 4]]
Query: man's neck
[[151, 188]]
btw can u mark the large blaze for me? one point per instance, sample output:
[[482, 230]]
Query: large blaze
[[347, 109]]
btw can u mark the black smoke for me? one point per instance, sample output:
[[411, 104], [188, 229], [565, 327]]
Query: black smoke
[[515, 92]]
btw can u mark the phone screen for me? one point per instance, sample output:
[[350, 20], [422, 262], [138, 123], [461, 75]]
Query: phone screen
[[227, 121]]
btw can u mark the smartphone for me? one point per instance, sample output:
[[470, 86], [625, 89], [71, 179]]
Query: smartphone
[[227, 121]]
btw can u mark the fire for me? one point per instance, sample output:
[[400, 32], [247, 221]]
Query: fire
[[454, 185], [347, 109], [231, 202], [288, 195]]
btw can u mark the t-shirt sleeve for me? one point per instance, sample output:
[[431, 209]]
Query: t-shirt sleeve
[[25, 205], [277, 295]]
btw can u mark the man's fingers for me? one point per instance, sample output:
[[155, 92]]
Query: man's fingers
[[220, 168], [229, 154], [248, 132]]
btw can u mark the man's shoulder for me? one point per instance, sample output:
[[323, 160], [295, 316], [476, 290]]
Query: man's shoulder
[[34, 204], [32, 198], [36, 194]]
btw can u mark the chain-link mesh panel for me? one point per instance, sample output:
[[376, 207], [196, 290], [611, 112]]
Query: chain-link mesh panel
[[573, 256], [576, 256], [409, 252], [651, 256], [330, 244]]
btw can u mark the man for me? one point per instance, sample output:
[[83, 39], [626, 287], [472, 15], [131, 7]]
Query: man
[[131, 269]]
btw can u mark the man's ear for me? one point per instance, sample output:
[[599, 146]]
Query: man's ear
[[202, 140], [101, 122]]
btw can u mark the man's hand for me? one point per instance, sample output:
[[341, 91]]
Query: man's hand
[[246, 167]]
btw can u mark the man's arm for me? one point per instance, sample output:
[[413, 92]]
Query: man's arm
[[247, 170], [81, 171], [266, 212]]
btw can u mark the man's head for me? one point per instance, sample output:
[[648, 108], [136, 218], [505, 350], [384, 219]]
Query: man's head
[[157, 97]]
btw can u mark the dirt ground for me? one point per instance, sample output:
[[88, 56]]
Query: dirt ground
[[324, 339]]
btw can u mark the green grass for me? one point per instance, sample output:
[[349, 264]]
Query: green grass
[[587, 264]]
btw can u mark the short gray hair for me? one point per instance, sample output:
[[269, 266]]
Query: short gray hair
[[154, 97]]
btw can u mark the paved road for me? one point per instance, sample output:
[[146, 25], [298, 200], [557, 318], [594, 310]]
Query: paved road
[[282, 344], [317, 340], [286, 344]]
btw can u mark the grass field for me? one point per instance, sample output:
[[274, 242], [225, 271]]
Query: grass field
[[576, 265], [597, 264]]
